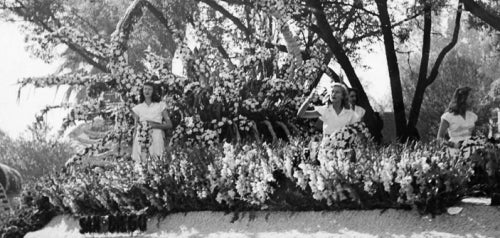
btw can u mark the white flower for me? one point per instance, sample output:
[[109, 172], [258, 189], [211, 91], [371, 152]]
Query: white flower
[[189, 121]]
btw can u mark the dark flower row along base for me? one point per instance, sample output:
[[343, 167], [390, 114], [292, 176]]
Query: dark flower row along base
[[112, 223]]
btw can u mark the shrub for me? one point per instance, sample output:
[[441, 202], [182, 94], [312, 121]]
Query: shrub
[[34, 157], [355, 174], [248, 176]]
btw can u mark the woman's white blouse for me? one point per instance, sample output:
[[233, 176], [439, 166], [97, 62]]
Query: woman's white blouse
[[153, 112], [360, 112], [460, 128], [332, 121]]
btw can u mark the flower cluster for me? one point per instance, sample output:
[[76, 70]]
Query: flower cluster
[[144, 135], [347, 137], [218, 90], [67, 79], [470, 145], [250, 176], [85, 111], [284, 9], [242, 174], [193, 87], [251, 104], [192, 130], [310, 69], [244, 124], [227, 91], [280, 88]]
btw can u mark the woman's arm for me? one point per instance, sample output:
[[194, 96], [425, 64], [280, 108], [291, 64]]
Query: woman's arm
[[361, 113], [167, 124], [136, 121], [303, 112], [443, 127], [166, 118], [474, 130]]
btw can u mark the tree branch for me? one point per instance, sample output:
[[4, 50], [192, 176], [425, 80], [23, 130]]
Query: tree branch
[[126, 24], [241, 26], [324, 30], [374, 33], [482, 13], [228, 15], [447, 48], [238, 2], [216, 42], [426, 45], [281, 48], [354, 6], [87, 56], [329, 71], [349, 19], [84, 21], [418, 96], [158, 14], [424, 81]]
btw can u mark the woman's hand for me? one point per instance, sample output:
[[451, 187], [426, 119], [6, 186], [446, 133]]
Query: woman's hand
[[303, 113]]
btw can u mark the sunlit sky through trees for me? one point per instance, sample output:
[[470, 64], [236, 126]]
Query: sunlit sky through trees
[[16, 63]]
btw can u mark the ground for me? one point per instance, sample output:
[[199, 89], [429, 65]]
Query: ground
[[474, 220]]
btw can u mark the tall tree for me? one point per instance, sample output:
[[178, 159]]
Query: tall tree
[[473, 63], [392, 64], [423, 80], [251, 40]]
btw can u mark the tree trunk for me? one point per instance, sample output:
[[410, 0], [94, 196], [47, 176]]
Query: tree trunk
[[483, 14], [392, 64], [422, 75], [423, 80], [326, 33], [337, 50]]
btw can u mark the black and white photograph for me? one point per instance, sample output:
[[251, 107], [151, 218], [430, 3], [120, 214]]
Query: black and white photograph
[[249, 118]]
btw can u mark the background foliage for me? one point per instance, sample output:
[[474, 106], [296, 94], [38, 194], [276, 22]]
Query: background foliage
[[36, 156]]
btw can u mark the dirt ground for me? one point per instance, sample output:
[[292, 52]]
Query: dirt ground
[[474, 220]]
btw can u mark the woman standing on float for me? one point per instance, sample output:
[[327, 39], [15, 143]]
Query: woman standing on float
[[335, 114], [353, 102], [458, 120], [153, 111]]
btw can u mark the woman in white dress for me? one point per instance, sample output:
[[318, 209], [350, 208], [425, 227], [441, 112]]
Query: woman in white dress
[[153, 111], [458, 121], [353, 101], [494, 125], [335, 114]]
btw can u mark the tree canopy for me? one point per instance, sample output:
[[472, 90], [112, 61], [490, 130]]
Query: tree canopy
[[240, 58]]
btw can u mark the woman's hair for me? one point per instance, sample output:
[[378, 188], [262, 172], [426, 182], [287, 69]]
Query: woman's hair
[[155, 96], [345, 97], [458, 104]]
